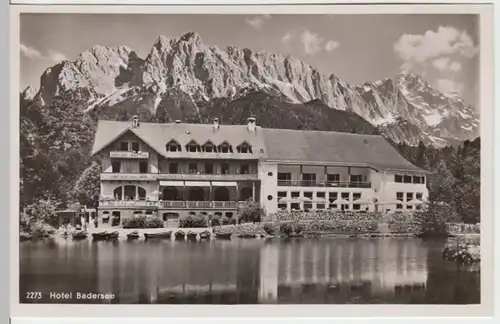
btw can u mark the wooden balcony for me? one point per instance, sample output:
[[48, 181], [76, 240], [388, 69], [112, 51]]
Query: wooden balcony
[[128, 155], [330, 184], [180, 204], [208, 177]]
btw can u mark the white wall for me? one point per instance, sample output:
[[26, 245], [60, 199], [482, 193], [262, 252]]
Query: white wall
[[268, 175]]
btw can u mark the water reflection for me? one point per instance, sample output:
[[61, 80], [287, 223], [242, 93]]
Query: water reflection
[[297, 271]]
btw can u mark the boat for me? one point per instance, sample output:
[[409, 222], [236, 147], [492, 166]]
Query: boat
[[205, 235], [179, 235], [223, 236], [162, 235], [113, 235], [100, 236], [191, 235], [79, 235], [133, 235]]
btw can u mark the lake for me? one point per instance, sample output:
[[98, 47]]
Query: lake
[[248, 271]]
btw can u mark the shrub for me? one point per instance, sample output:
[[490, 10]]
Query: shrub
[[269, 228], [142, 222], [432, 221], [250, 212], [342, 227], [286, 228], [298, 228], [228, 221], [192, 221]]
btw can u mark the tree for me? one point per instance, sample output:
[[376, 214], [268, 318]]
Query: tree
[[87, 187], [250, 212]]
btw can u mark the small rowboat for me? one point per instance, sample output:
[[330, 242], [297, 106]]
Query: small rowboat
[[133, 235], [162, 235], [113, 235], [79, 235], [179, 235], [205, 235], [100, 236], [191, 236], [223, 236]]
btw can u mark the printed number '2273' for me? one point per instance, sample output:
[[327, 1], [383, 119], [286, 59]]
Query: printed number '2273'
[[33, 295]]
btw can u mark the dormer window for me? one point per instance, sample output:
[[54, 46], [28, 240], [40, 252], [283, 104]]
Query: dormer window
[[124, 146], [225, 147], [209, 147], [193, 147], [173, 146], [244, 148], [135, 147]]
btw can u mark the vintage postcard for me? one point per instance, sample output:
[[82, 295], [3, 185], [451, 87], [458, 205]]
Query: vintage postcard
[[329, 160]]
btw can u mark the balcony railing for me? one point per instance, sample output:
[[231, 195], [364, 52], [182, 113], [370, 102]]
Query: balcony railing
[[205, 176], [199, 204], [128, 203], [129, 176], [128, 155], [314, 183]]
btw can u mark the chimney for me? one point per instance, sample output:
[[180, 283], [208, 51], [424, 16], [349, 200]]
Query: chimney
[[135, 121], [251, 124], [178, 121], [216, 123]]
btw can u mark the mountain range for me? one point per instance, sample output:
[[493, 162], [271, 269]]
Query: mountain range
[[182, 78]]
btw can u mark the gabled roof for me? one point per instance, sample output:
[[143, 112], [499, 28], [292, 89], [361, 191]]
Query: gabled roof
[[158, 135], [334, 147]]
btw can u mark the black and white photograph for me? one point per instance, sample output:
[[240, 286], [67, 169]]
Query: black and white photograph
[[205, 158]]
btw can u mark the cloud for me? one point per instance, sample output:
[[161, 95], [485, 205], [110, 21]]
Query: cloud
[[34, 54], [30, 52], [286, 39], [455, 66], [331, 45], [449, 86], [257, 22], [441, 63], [445, 42], [311, 41]]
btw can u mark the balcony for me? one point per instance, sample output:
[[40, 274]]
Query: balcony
[[128, 155], [128, 203], [328, 184], [129, 176], [198, 204], [207, 177]]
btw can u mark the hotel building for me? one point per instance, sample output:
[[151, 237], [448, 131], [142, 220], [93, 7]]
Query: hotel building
[[173, 169]]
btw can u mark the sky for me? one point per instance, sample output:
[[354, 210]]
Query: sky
[[444, 49]]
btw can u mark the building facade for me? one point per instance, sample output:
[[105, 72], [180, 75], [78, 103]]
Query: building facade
[[175, 169]]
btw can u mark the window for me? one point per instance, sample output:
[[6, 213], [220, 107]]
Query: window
[[115, 166], [124, 146], [320, 195], [320, 206], [356, 207], [333, 177], [270, 174], [135, 146], [117, 193], [356, 196], [309, 179], [294, 206], [115, 220], [407, 179], [143, 167], [399, 206], [281, 194], [333, 196], [398, 178], [282, 206], [209, 147], [105, 217], [284, 178], [418, 207], [245, 169], [244, 148], [149, 212], [173, 168], [400, 196], [308, 194], [138, 212], [295, 194], [345, 195], [356, 178], [173, 146], [409, 196], [417, 179], [423, 179], [209, 168], [193, 147], [308, 205], [419, 195], [193, 168], [269, 197], [225, 148], [224, 168], [409, 207], [229, 214]]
